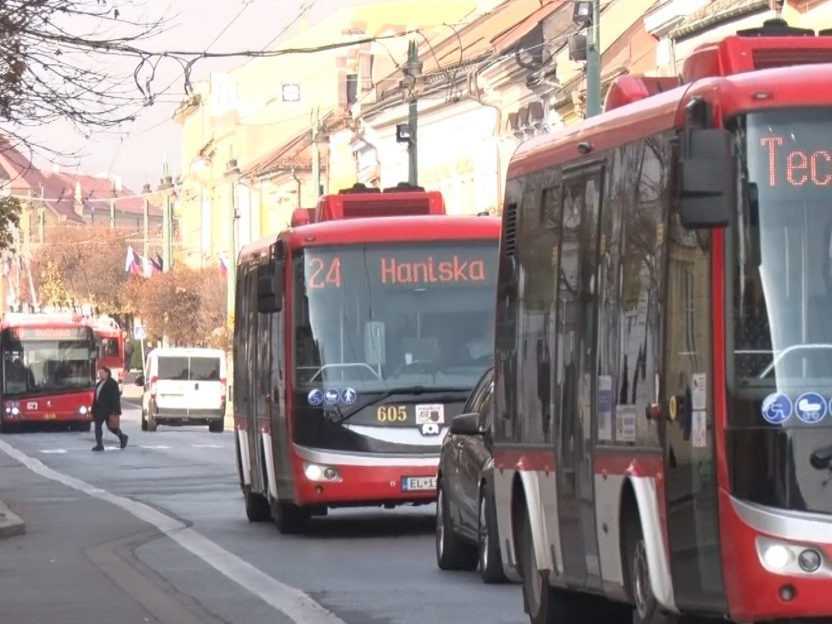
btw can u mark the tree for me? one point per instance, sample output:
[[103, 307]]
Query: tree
[[82, 264], [185, 305], [9, 221]]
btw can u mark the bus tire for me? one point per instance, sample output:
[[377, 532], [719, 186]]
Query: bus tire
[[452, 553], [544, 604], [257, 507], [489, 558], [289, 518], [645, 608]]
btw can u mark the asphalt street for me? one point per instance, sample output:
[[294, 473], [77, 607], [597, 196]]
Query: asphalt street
[[158, 533]]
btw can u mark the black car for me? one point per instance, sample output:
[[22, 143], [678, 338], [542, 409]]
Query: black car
[[466, 519]]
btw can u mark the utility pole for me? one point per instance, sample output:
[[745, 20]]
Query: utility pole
[[593, 62], [412, 74], [232, 172], [112, 213], [316, 152], [167, 222]]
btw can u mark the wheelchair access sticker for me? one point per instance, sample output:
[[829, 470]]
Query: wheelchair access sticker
[[777, 408]]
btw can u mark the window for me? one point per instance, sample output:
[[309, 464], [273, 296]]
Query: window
[[173, 368], [352, 89], [205, 369]]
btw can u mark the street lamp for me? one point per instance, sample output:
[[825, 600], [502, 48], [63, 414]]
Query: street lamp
[[587, 15], [582, 14]]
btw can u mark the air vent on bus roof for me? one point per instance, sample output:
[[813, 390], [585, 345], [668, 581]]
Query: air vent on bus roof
[[510, 230], [786, 57]]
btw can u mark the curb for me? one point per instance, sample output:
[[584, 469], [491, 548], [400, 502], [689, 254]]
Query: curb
[[10, 523]]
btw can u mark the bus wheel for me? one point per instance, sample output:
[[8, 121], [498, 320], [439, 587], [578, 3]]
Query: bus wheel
[[490, 561], [637, 577], [544, 604], [451, 552], [289, 518], [257, 507]]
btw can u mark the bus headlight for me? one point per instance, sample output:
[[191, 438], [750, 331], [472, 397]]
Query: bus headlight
[[776, 556], [83, 410], [317, 472], [12, 408]]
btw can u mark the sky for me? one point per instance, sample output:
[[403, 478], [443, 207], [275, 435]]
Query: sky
[[136, 152]]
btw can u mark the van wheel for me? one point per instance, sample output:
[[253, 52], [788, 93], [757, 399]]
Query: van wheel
[[451, 552], [217, 426], [144, 422], [488, 542], [637, 577], [152, 425], [289, 518], [257, 507]]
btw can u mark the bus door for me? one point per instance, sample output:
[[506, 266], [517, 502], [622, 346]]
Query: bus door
[[253, 349], [691, 488], [575, 379]]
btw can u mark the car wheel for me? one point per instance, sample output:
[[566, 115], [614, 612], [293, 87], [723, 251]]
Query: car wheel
[[490, 560], [217, 427], [289, 518], [257, 507], [451, 552]]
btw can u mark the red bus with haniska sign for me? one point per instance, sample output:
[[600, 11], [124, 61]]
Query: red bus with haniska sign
[[359, 333], [48, 370], [663, 365], [111, 341]]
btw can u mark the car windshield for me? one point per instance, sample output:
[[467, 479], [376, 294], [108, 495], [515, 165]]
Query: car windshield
[[782, 327], [46, 366], [381, 317]]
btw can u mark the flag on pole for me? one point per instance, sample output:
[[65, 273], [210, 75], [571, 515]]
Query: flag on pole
[[133, 262], [223, 265]]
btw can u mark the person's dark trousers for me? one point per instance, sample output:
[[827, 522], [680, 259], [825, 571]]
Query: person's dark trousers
[[99, 432]]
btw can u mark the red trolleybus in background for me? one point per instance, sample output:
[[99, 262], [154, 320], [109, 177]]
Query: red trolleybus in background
[[663, 427], [110, 340], [48, 370], [358, 337]]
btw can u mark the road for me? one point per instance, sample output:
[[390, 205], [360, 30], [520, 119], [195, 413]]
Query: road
[[157, 533]]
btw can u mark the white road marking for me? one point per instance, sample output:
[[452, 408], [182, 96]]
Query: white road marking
[[209, 446], [290, 601], [154, 447], [53, 451]]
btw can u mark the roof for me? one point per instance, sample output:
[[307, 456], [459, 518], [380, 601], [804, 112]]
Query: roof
[[424, 229], [522, 28], [718, 12], [186, 351], [59, 320]]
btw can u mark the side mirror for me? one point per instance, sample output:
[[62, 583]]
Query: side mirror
[[707, 184], [466, 424], [270, 287], [140, 381]]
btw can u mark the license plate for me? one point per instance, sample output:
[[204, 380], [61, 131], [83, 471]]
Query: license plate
[[418, 484]]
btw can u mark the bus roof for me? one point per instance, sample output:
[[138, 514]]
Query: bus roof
[[381, 230], [20, 319], [762, 89]]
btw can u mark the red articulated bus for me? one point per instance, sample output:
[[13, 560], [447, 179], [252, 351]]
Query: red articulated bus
[[358, 336], [110, 340], [48, 370], [663, 366]]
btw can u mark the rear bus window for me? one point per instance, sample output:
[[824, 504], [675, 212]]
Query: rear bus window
[[205, 369], [173, 368]]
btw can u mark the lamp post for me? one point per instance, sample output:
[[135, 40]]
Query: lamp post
[[166, 186], [232, 173], [587, 14]]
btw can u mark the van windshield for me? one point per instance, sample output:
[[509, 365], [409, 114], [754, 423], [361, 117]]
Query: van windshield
[[180, 368]]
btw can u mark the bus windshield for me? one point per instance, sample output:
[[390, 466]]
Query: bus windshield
[[382, 317], [46, 365], [782, 293]]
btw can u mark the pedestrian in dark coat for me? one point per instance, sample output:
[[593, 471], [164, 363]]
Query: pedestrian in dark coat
[[107, 403]]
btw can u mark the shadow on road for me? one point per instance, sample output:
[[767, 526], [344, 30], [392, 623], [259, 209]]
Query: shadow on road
[[370, 524]]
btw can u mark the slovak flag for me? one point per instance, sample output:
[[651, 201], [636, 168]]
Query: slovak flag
[[223, 265], [133, 262]]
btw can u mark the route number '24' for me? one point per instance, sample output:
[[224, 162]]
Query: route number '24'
[[323, 273], [392, 413]]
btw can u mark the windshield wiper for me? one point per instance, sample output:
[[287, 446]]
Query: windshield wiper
[[417, 390]]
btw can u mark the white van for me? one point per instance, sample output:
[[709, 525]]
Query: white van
[[183, 386]]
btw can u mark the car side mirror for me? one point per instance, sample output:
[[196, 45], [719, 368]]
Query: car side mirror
[[466, 424], [140, 381], [707, 180]]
